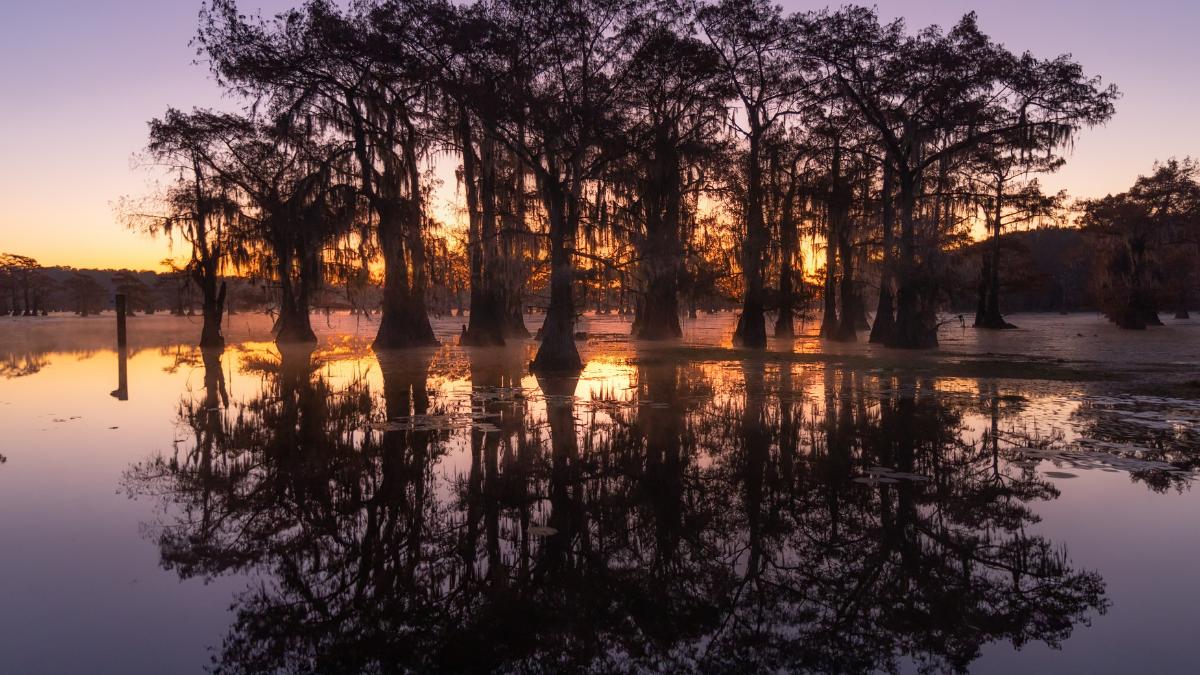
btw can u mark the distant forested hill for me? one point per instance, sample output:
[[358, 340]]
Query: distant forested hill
[[1043, 270]]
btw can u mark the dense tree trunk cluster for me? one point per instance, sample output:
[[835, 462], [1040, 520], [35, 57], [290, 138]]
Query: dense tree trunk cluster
[[644, 156]]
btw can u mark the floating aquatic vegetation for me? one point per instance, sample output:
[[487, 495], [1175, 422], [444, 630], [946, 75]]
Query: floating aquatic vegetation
[[1089, 453], [873, 480], [882, 475], [424, 423]]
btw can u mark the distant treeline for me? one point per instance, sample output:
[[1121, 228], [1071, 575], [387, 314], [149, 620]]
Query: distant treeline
[[29, 289], [1047, 269]]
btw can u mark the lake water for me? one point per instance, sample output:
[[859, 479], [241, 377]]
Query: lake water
[[1015, 502]]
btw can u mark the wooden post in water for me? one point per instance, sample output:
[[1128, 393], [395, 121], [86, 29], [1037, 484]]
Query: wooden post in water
[[121, 342], [122, 391]]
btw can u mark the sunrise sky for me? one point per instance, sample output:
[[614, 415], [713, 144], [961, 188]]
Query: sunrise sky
[[81, 79]]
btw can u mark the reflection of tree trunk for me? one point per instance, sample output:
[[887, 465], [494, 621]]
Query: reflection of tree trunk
[[789, 430], [484, 488], [838, 426], [405, 457], [756, 454], [564, 450], [661, 420], [121, 393], [993, 434], [216, 397]]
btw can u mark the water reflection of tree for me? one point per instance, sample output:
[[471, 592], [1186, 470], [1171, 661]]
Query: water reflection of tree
[[686, 530], [21, 365]]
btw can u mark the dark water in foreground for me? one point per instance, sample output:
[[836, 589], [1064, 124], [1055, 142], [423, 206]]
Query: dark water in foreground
[[680, 509]]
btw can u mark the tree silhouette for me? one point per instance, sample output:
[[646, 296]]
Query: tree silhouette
[[754, 41], [26, 284], [673, 106], [196, 206], [1160, 211], [932, 99], [676, 151], [86, 294]]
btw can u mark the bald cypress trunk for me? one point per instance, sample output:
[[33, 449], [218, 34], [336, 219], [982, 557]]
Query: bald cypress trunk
[[1139, 308], [829, 320], [214, 307], [915, 328], [485, 326], [847, 326], [988, 315], [405, 319], [785, 325], [207, 266], [511, 267], [752, 327], [557, 352], [294, 324], [395, 195], [656, 316], [657, 312], [839, 325]]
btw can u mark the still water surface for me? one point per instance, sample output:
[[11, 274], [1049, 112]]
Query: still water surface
[[685, 509]]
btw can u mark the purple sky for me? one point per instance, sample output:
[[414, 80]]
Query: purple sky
[[80, 80]]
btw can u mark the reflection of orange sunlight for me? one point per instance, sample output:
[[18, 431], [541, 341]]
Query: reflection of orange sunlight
[[69, 394], [606, 378]]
